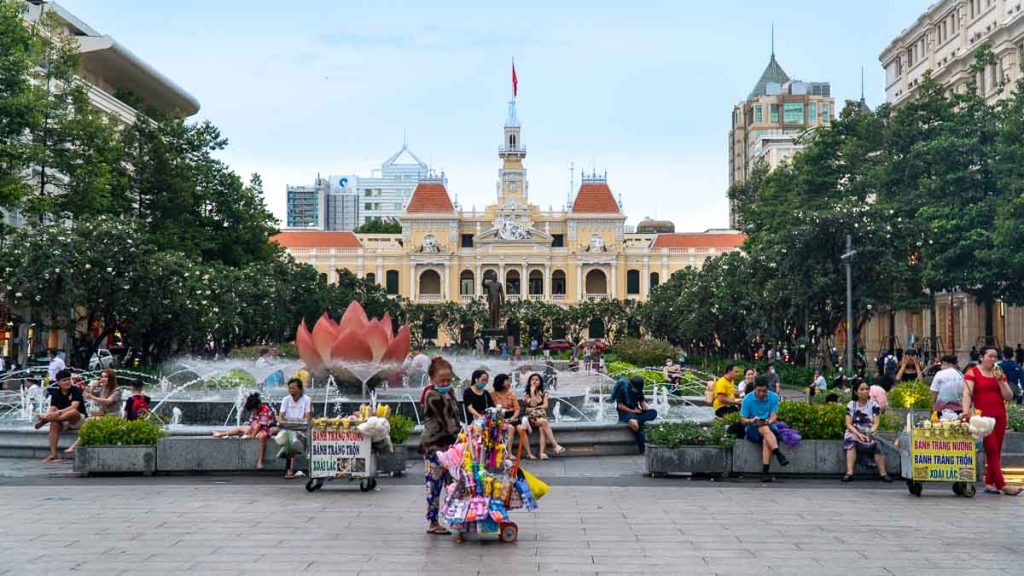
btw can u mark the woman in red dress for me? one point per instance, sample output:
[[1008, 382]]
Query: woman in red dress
[[986, 389]]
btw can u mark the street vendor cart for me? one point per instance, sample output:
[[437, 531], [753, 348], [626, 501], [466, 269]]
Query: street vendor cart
[[337, 449], [488, 482], [943, 452]]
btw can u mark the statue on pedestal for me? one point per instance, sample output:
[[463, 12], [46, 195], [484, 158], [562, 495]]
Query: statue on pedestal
[[495, 298]]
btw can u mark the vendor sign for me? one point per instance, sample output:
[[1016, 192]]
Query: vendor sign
[[942, 458], [338, 452]]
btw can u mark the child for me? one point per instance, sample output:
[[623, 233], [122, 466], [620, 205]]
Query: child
[[262, 425], [137, 405]]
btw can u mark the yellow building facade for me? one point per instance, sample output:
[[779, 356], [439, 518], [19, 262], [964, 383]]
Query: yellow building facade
[[444, 253]]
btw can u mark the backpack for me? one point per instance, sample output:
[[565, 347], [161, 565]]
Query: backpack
[[137, 405]]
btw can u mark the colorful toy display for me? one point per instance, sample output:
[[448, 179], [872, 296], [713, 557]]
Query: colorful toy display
[[487, 481]]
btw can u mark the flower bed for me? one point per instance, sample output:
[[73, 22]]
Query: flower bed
[[114, 445]]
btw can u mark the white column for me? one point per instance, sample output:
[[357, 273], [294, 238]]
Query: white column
[[579, 282], [446, 282], [547, 282], [524, 283], [479, 279], [380, 271], [645, 280], [412, 282], [501, 275], [613, 291]]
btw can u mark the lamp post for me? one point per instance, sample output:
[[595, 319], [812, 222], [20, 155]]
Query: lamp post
[[847, 258]]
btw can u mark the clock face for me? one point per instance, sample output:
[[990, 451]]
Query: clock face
[[513, 186]]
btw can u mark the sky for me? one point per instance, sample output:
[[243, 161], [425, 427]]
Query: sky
[[643, 90]]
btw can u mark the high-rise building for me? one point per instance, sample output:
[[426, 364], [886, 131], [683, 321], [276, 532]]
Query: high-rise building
[[767, 126], [347, 201], [944, 39]]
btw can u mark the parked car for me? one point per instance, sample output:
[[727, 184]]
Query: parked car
[[557, 345], [101, 359]]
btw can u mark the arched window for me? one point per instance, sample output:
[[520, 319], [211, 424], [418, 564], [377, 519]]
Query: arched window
[[596, 283], [371, 277], [430, 283], [536, 284], [655, 280], [558, 283], [512, 282], [466, 284]]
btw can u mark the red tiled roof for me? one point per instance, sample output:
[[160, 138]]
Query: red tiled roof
[[430, 197], [316, 239], [595, 197], [699, 240]]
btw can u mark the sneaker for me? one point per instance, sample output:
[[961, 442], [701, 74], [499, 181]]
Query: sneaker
[[847, 478], [766, 478], [783, 461]]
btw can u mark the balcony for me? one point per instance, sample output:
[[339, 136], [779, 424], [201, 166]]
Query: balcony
[[513, 297], [596, 295], [536, 296], [429, 298], [558, 297], [467, 297]]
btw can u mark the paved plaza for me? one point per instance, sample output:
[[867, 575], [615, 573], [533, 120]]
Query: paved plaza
[[601, 517]]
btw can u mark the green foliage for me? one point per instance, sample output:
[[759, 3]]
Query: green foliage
[[643, 352], [401, 428], [913, 394], [676, 434], [890, 422], [790, 375], [234, 378], [113, 431], [1015, 418], [814, 421], [380, 226]]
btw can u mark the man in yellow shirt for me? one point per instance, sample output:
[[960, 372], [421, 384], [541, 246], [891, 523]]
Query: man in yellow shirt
[[726, 401]]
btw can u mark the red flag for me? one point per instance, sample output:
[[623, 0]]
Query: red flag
[[515, 81]]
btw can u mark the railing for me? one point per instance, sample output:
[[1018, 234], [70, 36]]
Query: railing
[[596, 295], [558, 297], [536, 296], [466, 297], [513, 296], [430, 297]]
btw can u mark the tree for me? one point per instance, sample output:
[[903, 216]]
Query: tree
[[380, 226], [460, 320], [17, 104]]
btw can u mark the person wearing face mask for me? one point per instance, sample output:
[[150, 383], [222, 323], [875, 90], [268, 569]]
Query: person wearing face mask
[[475, 398], [440, 430]]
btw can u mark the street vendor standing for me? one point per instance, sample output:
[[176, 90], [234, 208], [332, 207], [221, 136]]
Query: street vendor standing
[[440, 430]]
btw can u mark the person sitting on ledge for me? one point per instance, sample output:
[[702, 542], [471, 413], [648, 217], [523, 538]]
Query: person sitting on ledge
[[262, 425], [725, 400], [862, 419], [758, 413], [66, 412], [137, 405], [632, 407]]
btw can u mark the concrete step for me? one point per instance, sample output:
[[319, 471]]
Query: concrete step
[[1013, 460]]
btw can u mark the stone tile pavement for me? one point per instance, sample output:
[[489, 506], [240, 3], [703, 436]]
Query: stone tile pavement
[[671, 526]]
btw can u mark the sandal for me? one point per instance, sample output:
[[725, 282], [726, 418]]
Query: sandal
[[39, 423], [887, 479], [992, 491], [290, 476], [559, 450], [531, 457], [543, 456], [847, 478], [1013, 492], [438, 531]]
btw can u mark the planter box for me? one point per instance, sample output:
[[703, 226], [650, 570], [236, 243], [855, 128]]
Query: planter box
[[393, 463], [115, 459], [810, 457], [687, 460]]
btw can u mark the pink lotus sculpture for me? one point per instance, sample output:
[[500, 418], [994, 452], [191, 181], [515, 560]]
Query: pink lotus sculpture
[[355, 340]]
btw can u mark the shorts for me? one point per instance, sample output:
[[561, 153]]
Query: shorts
[[753, 432], [69, 425], [721, 412]]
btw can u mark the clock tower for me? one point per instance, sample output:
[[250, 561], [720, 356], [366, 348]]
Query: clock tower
[[512, 174]]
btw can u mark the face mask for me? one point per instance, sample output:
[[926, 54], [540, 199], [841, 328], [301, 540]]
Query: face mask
[[444, 389], [481, 384]]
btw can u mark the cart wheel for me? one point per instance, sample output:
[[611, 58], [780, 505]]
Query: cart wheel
[[311, 485], [509, 533], [969, 491], [910, 487], [367, 484], [958, 488]]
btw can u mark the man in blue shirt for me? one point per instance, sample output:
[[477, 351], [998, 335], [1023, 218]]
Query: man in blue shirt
[[758, 413], [1012, 370], [628, 396]]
